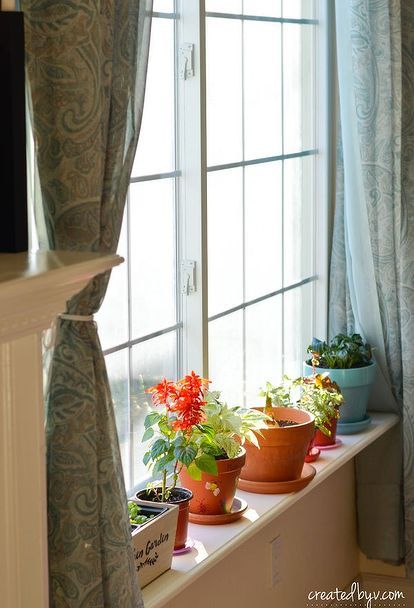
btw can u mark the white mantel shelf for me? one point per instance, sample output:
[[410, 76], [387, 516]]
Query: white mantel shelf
[[213, 543], [34, 289]]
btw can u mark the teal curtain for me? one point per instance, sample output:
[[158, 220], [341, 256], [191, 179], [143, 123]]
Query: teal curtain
[[371, 287], [86, 65]]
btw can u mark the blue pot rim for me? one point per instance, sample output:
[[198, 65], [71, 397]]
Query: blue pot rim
[[349, 373]]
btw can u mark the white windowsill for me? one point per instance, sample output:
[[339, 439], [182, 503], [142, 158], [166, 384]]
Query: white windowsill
[[212, 543]]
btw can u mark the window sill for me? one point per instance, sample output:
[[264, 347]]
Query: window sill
[[213, 543]]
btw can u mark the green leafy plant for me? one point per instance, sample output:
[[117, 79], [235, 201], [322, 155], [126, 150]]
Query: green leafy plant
[[342, 352], [316, 394], [193, 429], [135, 516], [227, 427]]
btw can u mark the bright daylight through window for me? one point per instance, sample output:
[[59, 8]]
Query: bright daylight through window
[[259, 197]]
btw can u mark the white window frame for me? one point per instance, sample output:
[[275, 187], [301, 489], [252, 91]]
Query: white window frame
[[191, 27], [191, 183]]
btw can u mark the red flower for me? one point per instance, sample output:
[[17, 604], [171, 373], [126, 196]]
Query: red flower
[[184, 399]]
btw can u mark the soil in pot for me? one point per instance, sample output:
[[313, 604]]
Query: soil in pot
[[180, 497], [282, 449], [214, 494]]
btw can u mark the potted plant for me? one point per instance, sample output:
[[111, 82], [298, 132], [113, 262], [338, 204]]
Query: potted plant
[[191, 438], [316, 394], [283, 446], [153, 532], [172, 446], [349, 362], [219, 439]]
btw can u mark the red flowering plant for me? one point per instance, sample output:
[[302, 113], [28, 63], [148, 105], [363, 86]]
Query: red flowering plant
[[176, 429]]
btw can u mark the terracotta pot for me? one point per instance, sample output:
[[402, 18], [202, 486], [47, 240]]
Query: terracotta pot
[[322, 439], [282, 449], [214, 494], [181, 498]]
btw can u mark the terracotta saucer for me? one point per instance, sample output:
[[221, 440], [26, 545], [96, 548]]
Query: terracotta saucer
[[331, 446], [279, 487], [312, 455], [238, 508]]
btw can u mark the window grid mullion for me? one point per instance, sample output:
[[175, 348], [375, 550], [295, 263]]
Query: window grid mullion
[[178, 232], [244, 337], [282, 75], [264, 159], [129, 280], [266, 296]]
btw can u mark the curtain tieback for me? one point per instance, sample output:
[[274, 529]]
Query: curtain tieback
[[84, 318]]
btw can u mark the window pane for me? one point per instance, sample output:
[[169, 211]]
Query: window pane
[[263, 347], [163, 6], [262, 89], [151, 361], [117, 366], [225, 240], [226, 357], [224, 6], [155, 151], [263, 233], [113, 326], [297, 328], [299, 9], [267, 8], [298, 219], [298, 85], [152, 247], [224, 91]]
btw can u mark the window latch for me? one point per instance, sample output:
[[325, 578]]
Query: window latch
[[186, 63], [188, 282]]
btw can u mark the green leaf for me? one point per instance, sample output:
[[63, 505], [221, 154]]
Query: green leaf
[[159, 447], [178, 442], [185, 454], [207, 463], [151, 419], [146, 458], [194, 472], [148, 434], [162, 464], [164, 427]]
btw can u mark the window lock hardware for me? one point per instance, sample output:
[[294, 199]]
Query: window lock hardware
[[186, 60], [188, 277]]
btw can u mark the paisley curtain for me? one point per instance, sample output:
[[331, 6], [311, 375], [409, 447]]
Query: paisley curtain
[[372, 264], [86, 65]]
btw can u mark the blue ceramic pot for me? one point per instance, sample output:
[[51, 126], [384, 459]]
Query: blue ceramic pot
[[355, 385]]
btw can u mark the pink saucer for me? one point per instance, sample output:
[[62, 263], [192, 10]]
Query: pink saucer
[[189, 544], [313, 455], [330, 447]]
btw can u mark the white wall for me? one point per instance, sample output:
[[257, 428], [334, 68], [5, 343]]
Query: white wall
[[318, 552]]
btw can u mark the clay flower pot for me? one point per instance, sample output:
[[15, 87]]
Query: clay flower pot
[[214, 494], [180, 497], [282, 449], [321, 439]]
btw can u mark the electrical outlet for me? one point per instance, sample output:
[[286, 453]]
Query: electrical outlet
[[276, 560]]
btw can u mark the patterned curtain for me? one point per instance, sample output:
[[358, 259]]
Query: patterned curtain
[[373, 250], [86, 64]]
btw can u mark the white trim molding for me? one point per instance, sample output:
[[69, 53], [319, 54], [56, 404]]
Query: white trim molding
[[34, 288]]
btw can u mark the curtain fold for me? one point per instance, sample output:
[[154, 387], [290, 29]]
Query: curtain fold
[[86, 64], [373, 251]]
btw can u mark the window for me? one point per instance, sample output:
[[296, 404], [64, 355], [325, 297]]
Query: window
[[230, 174]]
